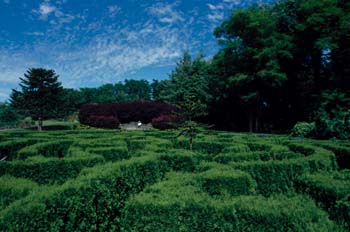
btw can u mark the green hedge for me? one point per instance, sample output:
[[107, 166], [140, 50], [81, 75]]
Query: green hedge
[[92, 202], [226, 181], [12, 189], [331, 191], [49, 170], [177, 204], [56, 148], [10, 148], [278, 176], [179, 160], [225, 158], [112, 153], [205, 146], [341, 152]]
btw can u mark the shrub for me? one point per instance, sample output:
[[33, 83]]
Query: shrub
[[9, 148], [333, 117], [124, 112], [331, 190], [166, 122], [49, 170], [12, 189], [342, 153], [303, 129], [107, 122], [111, 153], [226, 181], [92, 202], [178, 204], [279, 175], [56, 148]]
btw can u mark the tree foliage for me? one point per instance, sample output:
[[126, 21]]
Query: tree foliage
[[40, 94]]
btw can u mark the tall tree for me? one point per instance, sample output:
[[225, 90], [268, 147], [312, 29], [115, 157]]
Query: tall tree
[[249, 40], [40, 94]]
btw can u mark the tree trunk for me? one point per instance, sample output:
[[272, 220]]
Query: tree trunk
[[250, 121], [257, 114], [191, 143], [40, 123]]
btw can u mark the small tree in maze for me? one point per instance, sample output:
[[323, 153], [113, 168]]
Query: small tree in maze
[[40, 94], [188, 90], [189, 110]]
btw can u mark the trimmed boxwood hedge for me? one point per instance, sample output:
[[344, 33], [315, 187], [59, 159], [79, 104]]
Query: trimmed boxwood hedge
[[331, 191], [341, 152], [45, 170], [278, 176], [111, 153], [56, 148], [12, 189], [10, 148], [236, 194], [92, 202], [226, 181], [178, 204]]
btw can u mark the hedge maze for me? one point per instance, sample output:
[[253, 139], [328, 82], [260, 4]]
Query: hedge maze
[[109, 180]]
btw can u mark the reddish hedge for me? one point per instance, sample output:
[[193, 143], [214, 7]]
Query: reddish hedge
[[166, 122], [103, 122], [96, 114]]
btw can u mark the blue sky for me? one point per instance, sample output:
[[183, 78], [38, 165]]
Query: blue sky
[[89, 43]]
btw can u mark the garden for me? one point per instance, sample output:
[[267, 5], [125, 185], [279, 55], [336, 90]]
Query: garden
[[117, 180]]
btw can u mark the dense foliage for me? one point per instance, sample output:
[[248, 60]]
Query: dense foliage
[[103, 180], [109, 115], [40, 94]]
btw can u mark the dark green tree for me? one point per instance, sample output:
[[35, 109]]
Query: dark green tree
[[188, 90], [40, 95], [137, 90], [8, 115]]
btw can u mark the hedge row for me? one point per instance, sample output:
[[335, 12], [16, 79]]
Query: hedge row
[[49, 170], [91, 202], [177, 204], [226, 181], [109, 115], [331, 191], [279, 175], [341, 152], [12, 189], [164, 122], [9, 148], [111, 153], [254, 156], [57, 148], [211, 148]]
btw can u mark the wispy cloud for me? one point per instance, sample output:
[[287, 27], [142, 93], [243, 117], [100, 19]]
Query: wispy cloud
[[166, 13], [113, 10], [45, 9], [7, 1], [122, 51]]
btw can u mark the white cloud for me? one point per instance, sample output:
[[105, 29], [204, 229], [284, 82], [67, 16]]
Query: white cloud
[[45, 9], [35, 33], [216, 7], [216, 16], [111, 56], [235, 2], [165, 13]]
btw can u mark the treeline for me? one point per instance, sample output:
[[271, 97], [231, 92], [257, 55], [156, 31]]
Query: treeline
[[278, 65], [127, 91]]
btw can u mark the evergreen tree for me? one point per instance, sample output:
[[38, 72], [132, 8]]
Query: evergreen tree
[[40, 94]]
